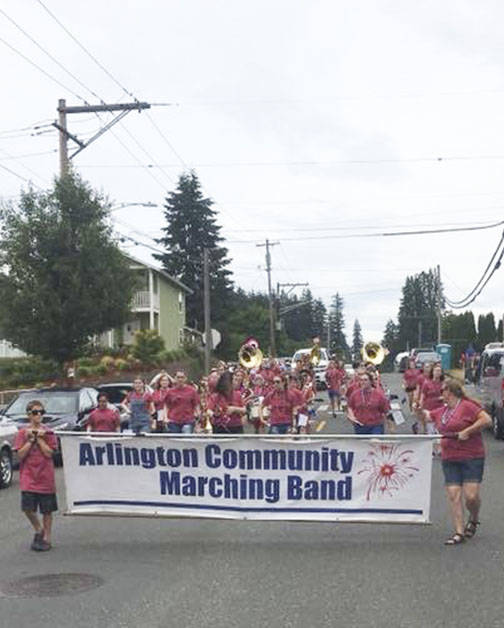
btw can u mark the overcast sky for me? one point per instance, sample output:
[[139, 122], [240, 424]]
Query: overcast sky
[[305, 120]]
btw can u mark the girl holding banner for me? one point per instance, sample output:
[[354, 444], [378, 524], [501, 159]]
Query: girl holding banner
[[461, 421], [227, 407]]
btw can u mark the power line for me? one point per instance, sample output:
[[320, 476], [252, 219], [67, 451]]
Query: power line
[[18, 175], [482, 282], [48, 54], [35, 65], [383, 234], [83, 48]]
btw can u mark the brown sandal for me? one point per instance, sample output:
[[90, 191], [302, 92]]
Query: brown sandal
[[455, 539], [470, 529]]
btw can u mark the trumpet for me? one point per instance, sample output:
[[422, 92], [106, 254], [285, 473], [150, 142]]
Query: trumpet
[[373, 352]]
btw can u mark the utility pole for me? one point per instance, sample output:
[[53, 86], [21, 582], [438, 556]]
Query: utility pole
[[268, 244], [206, 306], [438, 303], [65, 135]]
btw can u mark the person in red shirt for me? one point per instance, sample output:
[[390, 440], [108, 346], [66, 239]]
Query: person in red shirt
[[103, 418], [162, 386], [334, 379], [409, 382], [226, 406], [35, 446], [282, 405], [430, 396], [182, 406], [461, 421], [138, 403], [367, 407], [355, 382]]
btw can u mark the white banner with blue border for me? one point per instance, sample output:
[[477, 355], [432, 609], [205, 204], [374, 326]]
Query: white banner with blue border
[[331, 479]]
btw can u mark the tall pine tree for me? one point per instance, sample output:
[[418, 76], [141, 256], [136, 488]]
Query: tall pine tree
[[191, 226], [339, 343], [357, 340]]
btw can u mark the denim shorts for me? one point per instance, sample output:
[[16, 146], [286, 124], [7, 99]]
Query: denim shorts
[[458, 472], [333, 394], [369, 429], [180, 428], [279, 428]]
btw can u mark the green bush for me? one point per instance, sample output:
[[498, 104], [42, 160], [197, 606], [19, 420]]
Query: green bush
[[148, 346], [84, 371], [100, 369], [27, 371], [87, 361], [120, 364]]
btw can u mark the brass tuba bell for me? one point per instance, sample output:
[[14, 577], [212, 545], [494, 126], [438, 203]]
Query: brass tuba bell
[[249, 355], [373, 352]]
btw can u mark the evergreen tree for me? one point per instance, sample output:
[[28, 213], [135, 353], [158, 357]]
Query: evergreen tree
[[357, 340], [486, 330], [459, 330], [417, 318], [391, 337], [63, 278], [191, 227], [319, 320], [336, 321]]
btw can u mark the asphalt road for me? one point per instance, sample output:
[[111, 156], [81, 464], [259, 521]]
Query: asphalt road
[[198, 574]]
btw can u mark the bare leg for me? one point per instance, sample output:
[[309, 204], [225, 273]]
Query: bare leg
[[33, 519], [454, 495], [472, 499], [47, 520]]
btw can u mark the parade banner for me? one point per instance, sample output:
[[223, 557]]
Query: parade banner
[[332, 479]]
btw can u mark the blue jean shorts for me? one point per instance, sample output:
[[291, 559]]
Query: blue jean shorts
[[458, 472]]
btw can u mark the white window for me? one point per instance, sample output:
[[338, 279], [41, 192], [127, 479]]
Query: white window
[[180, 302]]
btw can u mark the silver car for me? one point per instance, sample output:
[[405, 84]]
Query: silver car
[[8, 433]]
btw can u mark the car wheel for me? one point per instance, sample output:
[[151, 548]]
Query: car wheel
[[498, 423], [5, 469]]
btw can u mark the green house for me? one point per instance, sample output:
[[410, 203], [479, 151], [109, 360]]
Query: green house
[[158, 303]]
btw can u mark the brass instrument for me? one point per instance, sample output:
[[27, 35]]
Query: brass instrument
[[373, 352], [315, 355], [249, 355]]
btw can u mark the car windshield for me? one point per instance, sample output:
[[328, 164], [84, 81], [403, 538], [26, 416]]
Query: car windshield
[[301, 352], [428, 357], [54, 402], [116, 394]]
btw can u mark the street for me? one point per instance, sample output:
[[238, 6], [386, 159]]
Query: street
[[202, 573]]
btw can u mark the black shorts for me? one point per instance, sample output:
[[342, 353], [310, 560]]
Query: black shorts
[[44, 502]]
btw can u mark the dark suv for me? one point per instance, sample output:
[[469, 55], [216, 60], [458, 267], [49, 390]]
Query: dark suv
[[66, 408]]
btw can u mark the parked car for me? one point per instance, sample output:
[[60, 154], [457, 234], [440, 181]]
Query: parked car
[[66, 408], [490, 385], [8, 433], [319, 370], [425, 357]]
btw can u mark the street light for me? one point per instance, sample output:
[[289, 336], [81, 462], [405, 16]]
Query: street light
[[123, 205]]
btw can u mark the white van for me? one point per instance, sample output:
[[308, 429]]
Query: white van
[[319, 370], [490, 384]]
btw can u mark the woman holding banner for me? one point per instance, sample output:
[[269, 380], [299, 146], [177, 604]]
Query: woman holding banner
[[460, 422], [138, 403]]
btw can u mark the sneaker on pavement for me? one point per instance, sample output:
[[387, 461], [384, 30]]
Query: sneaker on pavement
[[37, 539]]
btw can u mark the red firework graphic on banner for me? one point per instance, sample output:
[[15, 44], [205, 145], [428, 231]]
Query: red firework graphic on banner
[[388, 468]]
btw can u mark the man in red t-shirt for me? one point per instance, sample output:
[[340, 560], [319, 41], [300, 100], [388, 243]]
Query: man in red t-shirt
[[35, 446], [103, 418], [182, 405]]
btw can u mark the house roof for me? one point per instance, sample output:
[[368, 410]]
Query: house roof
[[161, 272]]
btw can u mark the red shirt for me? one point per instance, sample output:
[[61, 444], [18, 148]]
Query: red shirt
[[352, 387], [334, 378], [159, 397], [106, 420], [36, 471], [454, 420], [298, 398], [181, 403], [369, 406], [213, 378], [410, 378], [431, 391], [281, 403], [219, 404]]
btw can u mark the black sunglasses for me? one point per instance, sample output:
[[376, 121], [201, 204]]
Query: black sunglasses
[[41, 412]]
